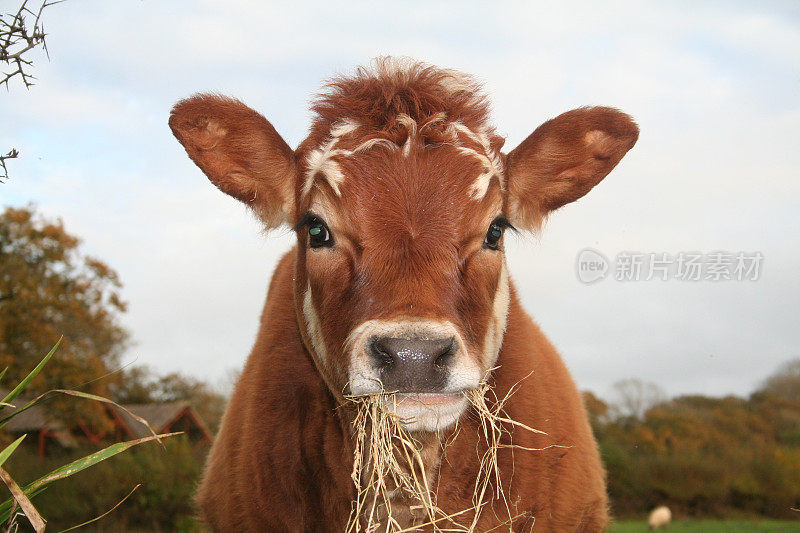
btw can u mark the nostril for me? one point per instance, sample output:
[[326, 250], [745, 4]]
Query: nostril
[[446, 354], [380, 352]]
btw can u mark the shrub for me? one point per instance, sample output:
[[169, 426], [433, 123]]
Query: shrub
[[164, 501]]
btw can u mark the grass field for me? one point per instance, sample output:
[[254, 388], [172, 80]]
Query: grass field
[[714, 526]]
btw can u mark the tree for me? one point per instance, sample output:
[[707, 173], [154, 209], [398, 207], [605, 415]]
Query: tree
[[49, 288], [785, 382], [633, 397], [597, 410]]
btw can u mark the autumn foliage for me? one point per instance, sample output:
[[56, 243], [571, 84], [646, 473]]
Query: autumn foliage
[[48, 289], [702, 456]]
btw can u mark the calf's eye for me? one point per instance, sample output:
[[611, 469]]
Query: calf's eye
[[495, 233], [318, 234]]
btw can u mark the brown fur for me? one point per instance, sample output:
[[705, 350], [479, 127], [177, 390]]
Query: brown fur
[[408, 243]]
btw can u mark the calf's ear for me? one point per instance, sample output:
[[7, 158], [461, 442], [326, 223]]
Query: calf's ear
[[239, 151], [563, 159]]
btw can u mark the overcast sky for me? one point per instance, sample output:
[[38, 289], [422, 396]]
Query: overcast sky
[[714, 87]]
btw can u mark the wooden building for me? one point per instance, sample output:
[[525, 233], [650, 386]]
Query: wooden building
[[163, 418]]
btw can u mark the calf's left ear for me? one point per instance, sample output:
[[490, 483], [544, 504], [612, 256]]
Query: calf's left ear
[[239, 151], [563, 159]]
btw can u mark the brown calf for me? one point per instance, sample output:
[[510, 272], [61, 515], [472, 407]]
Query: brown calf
[[399, 197]]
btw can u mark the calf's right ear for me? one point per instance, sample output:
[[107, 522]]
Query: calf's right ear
[[240, 152]]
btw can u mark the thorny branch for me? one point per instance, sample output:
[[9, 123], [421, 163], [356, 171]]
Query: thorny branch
[[13, 153], [18, 36]]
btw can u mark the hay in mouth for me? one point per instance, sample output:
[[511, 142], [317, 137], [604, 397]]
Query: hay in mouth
[[393, 488]]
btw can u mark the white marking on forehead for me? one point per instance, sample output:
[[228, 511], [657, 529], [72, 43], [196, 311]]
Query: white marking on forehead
[[411, 126], [408, 122], [321, 160], [342, 128], [489, 158], [492, 167], [366, 145], [479, 138]]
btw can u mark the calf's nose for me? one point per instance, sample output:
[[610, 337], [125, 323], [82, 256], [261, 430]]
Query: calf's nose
[[412, 365]]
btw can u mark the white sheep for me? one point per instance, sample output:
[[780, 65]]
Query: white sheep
[[659, 517]]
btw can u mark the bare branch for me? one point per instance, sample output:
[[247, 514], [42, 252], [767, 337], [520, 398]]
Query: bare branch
[[12, 154], [18, 37]]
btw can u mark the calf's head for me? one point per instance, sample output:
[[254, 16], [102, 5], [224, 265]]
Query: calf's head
[[400, 197]]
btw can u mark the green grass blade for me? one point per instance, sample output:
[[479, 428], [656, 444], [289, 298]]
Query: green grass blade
[[24, 383], [3, 373], [76, 466], [8, 450]]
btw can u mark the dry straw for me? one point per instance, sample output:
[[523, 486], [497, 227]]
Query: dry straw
[[394, 493]]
